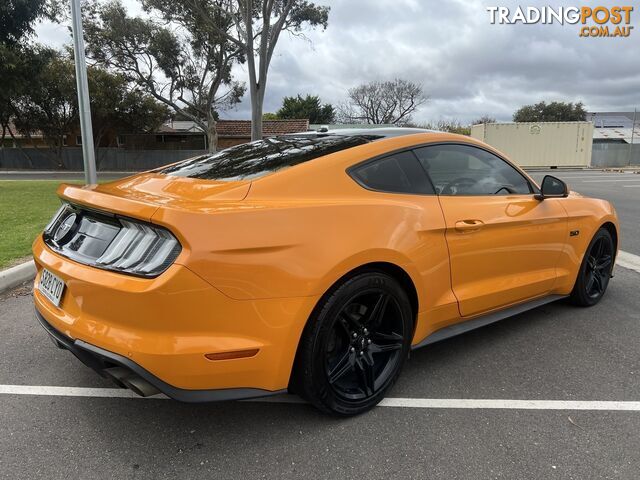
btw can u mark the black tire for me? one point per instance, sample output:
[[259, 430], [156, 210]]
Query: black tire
[[354, 345], [595, 270]]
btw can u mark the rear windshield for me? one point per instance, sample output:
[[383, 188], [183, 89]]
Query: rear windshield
[[255, 159]]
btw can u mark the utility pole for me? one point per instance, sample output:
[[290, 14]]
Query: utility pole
[[633, 129], [84, 107]]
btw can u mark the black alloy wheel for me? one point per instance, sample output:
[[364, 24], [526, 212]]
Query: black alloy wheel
[[354, 347], [595, 271]]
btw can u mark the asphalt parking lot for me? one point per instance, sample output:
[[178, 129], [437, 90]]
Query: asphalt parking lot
[[543, 376]]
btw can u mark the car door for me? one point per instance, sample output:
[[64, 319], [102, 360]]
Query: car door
[[503, 243], [419, 232]]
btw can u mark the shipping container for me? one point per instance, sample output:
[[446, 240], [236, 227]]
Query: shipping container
[[542, 144]]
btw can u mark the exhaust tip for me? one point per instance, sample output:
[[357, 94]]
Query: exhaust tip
[[117, 375], [125, 378], [140, 386]]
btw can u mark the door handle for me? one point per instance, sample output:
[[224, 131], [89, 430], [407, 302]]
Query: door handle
[[464, 226]]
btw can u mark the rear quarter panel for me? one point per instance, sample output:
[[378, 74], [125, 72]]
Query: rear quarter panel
[[282, 250], [278, 249]]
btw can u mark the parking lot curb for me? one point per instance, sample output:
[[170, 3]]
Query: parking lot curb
[[14, 276]]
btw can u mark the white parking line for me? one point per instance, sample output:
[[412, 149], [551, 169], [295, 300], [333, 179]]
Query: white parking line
[[628, 260], [611, 175], [631, 185], [612, 180], [458, 403], [69, 391], [509, 404]]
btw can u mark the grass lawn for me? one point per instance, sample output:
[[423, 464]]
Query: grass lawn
[[26, 206]]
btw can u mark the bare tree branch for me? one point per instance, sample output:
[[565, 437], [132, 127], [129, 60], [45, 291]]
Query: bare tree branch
[[390, 102]]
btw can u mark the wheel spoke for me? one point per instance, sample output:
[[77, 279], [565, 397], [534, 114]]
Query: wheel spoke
[[599, 250], [377, 312], [590, 281], [341, 368], [366, 375], [604, 263], [598, 282], [385, 342]]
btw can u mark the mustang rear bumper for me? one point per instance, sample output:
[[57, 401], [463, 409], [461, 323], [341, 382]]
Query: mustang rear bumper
[[176, 331], [101, 360]]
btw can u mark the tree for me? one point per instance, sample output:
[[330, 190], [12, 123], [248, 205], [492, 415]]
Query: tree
[[50, 105], [118, 109], [258, 25], [383, 102], [19, 61], [191, 73], [484, 119], [20, 64], [551, 112], [18, 16], [306, 107], [450, 126]]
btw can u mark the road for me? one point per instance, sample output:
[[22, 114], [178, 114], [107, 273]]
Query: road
[[556, 352]]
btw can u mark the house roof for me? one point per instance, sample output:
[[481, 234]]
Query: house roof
[[624, 134], [613, 119], [270, 128], [240, 128], [180, 126]]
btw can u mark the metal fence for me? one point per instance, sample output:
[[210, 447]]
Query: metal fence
[[114, 159], [606, 155]]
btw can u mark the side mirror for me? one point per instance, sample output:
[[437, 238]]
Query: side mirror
[[552, 187]]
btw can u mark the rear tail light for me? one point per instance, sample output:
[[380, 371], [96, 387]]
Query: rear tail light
[[64, 208], [140, 249], [111, 242]]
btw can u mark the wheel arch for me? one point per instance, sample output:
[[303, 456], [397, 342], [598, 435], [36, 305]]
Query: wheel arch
[[394, 270], [613, 231]]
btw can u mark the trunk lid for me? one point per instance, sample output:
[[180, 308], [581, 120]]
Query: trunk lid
[[141, 195]]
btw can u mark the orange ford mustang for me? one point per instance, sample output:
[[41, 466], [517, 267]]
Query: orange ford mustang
[[311, 263]]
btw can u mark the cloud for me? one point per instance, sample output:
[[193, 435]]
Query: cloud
[[468, 66]]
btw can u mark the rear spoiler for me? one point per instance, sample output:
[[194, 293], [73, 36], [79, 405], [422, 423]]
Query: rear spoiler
[[87, 196]]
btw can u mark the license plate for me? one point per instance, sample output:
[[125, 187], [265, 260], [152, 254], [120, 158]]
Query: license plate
[[51, 286]]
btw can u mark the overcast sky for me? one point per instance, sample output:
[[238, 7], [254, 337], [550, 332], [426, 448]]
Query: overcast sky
[[467, 66]]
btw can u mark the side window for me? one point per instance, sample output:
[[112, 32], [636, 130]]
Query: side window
[[397, 173], [467, 170]]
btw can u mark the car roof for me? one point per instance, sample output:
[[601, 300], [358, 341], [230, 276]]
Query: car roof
[[371, 133]]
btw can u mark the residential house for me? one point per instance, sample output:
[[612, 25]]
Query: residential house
[[186, 135]]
